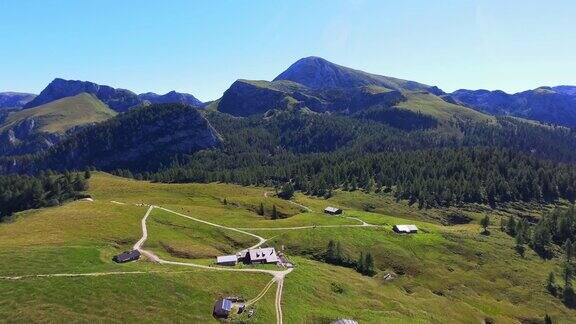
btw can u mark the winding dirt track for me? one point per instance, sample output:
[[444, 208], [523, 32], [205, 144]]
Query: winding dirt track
[[88, 274], [308, 209], [278, 276]]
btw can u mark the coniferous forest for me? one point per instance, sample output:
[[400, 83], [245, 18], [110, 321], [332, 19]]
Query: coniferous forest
[[462, 163], [21, 192]]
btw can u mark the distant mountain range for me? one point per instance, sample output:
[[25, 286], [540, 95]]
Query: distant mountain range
[[67, 109], [29, 123], [15, 99], [119, 100], [554, 105], [171, 97], [321, 86]]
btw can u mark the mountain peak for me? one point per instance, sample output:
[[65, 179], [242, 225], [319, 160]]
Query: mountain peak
[[117, 99], [316, 72], [171, 97]]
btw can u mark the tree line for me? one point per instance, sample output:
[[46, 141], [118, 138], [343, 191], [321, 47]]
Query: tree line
[[464, 163], [334, 254], [22, 192], [453, 164], [554, 232]]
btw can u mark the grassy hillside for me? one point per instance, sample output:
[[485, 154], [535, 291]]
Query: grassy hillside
[[432, 105], [446, 274], [61, 115]]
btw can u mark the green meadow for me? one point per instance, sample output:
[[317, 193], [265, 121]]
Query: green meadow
[[443, 274]]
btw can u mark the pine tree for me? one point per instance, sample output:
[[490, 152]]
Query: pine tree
[[87, 174], [551, 284], [261, 209], [369, 265], [274, 212], [568, 250], [547, 319], [79, 183], [511, 227], [339, 253], [485, 222], [57, 191], [569, 296], [38, 194], [520, 244], [360, 265], [568, 273], [331, 252], [287, 191]]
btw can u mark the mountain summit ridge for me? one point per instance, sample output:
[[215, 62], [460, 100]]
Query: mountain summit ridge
[[117, 99], [316, 72]]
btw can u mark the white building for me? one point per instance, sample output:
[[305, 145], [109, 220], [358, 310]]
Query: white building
[[250, 256], [333, 210], [227, 260], [405, 229], [262, 255]]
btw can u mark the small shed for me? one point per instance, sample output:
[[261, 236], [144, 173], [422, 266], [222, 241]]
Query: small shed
[[227, 260], [405, 229], [222, 308], [332, 210], [127, 256]]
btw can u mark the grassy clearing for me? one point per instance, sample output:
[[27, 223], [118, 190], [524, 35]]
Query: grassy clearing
[[182, 238], [444, 274], [150, 298], [434, 106]]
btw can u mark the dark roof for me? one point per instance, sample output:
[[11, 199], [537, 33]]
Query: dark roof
[[127, 256], [222, 308]]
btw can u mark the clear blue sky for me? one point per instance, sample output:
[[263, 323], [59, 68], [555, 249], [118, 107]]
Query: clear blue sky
[[201, 47]]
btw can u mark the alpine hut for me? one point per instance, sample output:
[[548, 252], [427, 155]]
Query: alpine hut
[[127, 256], [405, 229], [332, 210]]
